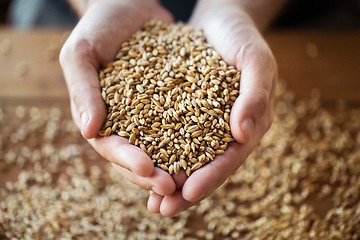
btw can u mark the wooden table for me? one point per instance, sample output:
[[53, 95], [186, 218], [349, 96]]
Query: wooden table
[[329, 61]]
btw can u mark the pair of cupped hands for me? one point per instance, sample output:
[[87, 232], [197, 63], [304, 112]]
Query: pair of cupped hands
[[94, 43]]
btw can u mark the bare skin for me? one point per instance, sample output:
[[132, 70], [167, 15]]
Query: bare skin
[[233, 28]]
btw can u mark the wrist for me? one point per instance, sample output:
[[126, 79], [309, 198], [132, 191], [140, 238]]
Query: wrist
[[81, 6], [261, 13]]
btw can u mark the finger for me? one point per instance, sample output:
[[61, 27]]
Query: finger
[[154, 202], [240, 44], [179, 179], [162, 14], [105, 26], [81, 77], [160, 182], [257, 81], [174, 204], [87, 49], [205, 180], [119, 151]]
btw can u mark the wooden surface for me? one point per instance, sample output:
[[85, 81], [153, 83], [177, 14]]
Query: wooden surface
[[328, 61], [30, 72], [31, 75], [30, 69]]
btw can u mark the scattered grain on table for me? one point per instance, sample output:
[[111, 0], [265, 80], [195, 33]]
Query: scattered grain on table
[[301, 182]]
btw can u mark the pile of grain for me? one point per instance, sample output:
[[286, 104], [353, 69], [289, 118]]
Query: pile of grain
[[170, 93]]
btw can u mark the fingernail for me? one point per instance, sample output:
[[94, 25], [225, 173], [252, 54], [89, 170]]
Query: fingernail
[[84, 121], [248, 128]]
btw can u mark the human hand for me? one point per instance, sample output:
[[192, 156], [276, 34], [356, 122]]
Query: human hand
[[94, 43], [234, 34]]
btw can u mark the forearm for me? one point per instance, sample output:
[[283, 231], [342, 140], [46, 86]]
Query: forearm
[[261, 12], [80, 6]]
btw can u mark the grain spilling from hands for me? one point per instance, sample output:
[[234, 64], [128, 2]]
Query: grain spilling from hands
[[170, 93]]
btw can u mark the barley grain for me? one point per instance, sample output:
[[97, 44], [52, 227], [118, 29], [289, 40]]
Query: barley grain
[[170, 104]]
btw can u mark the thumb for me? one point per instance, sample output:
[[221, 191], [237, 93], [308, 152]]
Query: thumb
[[235, 37], [79, 67], [256, 88]]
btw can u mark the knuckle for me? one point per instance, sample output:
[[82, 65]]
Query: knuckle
[[76, 49], [75, 95], [83, 47], [263, 56], [260, 98]]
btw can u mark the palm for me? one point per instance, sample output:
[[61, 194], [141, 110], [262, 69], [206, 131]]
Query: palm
[[240, 44], [93, 44], [116, 23]]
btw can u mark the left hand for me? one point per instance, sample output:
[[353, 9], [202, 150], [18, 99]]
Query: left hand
[[94, 43], [235, 36]]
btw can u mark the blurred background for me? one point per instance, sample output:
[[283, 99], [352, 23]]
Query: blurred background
[[327, 14]]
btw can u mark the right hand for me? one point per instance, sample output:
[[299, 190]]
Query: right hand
[[229, 27], [92, 45]]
